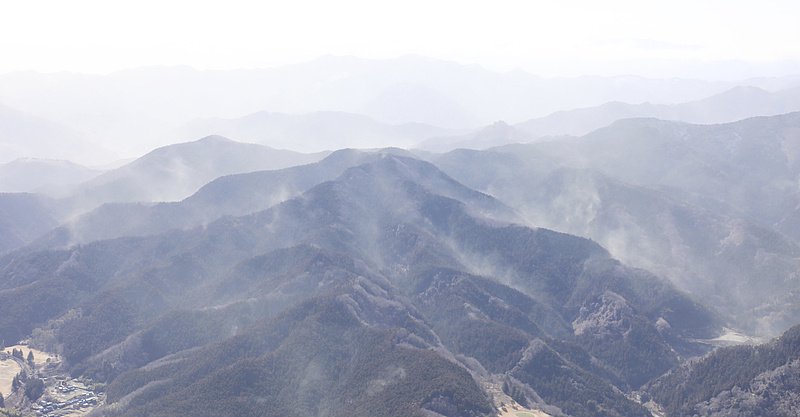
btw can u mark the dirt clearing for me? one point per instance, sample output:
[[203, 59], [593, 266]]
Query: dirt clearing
[[8, 369]]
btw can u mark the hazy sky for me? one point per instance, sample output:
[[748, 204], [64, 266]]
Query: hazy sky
[[545, 37]]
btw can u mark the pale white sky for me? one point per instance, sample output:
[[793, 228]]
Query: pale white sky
[[548, 37]]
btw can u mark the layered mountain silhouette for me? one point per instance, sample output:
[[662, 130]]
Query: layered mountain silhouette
[[735, 104], [229, 195], [174, 172], [25, 135], [314, 132], [738, 103], [136, 110], [702, 205], [170, 173], [750, 165], [462, 242], [391, 289], [496, 134], [47, 176]]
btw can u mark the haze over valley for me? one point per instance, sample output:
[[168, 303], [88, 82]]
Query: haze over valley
[[440, 209]]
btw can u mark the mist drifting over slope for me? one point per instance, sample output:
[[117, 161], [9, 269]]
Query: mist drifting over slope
[[429, 209]]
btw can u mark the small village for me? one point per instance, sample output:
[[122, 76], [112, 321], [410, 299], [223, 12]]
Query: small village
[[58, 395], [66, 399]]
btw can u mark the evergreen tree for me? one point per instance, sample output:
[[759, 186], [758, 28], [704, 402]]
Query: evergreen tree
[[34, 389], [30, 357]]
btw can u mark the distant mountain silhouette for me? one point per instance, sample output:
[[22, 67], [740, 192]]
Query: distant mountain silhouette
[[28, 136], [174, 172], [735, 104], [314, 132], [738, 103], [135, 110], [47, 176]]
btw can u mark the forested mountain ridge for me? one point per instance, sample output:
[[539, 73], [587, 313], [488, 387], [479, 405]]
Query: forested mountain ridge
[[391, 250], [706, 206], [371, 281], [736, 381]]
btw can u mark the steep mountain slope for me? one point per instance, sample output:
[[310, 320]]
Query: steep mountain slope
[[320, 358], [174, 172], [743, 174], [744, 381], [333, 302], [43, 175], [751, 165], [314, 132], [230, 195], [23, 218], [740, 267]]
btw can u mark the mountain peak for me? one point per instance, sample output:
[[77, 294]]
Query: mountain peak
[[745, 89], [214, 139]]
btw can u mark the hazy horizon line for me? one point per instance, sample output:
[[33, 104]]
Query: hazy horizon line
[[792, 71]]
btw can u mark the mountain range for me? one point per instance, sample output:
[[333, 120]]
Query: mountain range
[[25, 135], [314, 132], [46, 176], [133, 111], [605, 274], [228, 195], [738, 103], [701, 205], [170, 173], [391, 276], [174, 172]]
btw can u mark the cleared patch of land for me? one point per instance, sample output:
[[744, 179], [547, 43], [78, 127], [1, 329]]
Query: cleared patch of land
[[506, 405], [732, 337], [39, 357], [521, 412], [8, 369]]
